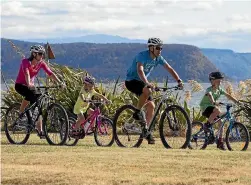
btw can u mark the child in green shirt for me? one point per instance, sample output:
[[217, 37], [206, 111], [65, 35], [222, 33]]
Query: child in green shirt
[[210, 106]]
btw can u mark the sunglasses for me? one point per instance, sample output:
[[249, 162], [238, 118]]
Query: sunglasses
[[158, 48], [40, 54]]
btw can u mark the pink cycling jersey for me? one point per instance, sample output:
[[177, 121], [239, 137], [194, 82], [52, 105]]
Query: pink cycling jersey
[[33, 70]]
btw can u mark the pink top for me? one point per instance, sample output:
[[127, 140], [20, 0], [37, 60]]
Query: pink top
[[33, 70]]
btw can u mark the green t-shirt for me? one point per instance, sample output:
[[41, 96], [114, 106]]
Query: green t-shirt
[[205, 102]]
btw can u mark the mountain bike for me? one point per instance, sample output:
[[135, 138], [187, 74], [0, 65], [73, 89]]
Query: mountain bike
[[237, 135], [96, 123], [18, 127], [174, 124]]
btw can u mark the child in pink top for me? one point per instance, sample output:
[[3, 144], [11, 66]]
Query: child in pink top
[[28, 70]]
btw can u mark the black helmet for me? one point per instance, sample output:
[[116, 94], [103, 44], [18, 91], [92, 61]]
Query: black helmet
[[215, 75]]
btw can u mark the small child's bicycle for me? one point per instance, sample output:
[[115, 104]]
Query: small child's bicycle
[[98, 124], [237, 135]]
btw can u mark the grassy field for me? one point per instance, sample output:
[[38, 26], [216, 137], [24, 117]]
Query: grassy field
[[38, 163]]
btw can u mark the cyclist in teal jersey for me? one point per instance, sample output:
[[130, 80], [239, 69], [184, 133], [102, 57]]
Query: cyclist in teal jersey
[[137, 74]]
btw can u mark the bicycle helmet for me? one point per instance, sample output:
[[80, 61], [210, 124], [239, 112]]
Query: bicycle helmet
[[89, 80], [154, 42], [37, 49], [215, 75]]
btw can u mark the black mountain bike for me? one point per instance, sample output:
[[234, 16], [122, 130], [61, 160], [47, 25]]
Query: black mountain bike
[[18, 127], [174, 124]]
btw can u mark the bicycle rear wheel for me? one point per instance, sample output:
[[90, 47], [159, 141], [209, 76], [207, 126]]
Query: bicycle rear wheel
[[70, 141], [15, 129], [103, 134], [175, 127], [237, 137], [198, 136], [56, 124], [127, 131]]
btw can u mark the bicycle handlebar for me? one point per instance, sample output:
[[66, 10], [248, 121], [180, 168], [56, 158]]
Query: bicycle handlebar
[[96, 101], [166, 88], [45, 87], [226, 104]]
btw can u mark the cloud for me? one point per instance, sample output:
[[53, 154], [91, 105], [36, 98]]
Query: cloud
[[140, 19]]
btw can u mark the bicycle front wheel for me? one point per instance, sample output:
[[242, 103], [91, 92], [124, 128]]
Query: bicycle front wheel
[[56, 124], [175, 127], [103, 134], [127, 131], [14, 127], [70, 141], [237, 137]]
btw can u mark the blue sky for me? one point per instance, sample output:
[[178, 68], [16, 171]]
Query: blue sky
[[208, 24]]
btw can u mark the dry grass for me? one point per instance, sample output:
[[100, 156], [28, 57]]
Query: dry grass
[[38, 163]]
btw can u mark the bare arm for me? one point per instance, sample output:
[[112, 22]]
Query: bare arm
[[55, 78], [172, 72], [211, 98], [82, 96], [140, 70], [102, 96], [231, 98], [27, 78]]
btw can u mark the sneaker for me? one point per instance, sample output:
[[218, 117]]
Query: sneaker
[[221, 145], [138, 116], [150, 139], [40, 134]]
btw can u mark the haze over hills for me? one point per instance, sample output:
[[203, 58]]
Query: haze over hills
[[108, 61], [235, 65], [97, 38]]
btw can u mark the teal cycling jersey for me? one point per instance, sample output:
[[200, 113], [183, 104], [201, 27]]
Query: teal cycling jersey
[[148, 63]]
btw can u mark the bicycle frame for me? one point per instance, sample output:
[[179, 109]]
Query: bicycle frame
[[164, 97], [40, 101], [94, 116], [227, 116]]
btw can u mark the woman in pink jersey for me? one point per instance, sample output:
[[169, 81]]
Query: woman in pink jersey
[[28, 70]]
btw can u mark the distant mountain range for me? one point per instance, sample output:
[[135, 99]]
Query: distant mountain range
[[110, 60], [97, 38], [235, 65]]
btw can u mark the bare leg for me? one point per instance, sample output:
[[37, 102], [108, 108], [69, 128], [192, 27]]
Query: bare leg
[[214, 114], [149, 111], [24, 104], [80, 119], [90, 111], [143, 97], [39, 124]]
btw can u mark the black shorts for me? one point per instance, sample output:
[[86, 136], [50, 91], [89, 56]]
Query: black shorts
[[28, 94], [208, 111], [136, 87]]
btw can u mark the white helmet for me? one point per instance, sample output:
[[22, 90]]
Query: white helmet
[[37, 49], [154, 42]]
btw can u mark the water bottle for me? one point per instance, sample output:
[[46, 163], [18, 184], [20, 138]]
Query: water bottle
[[35, 114]]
